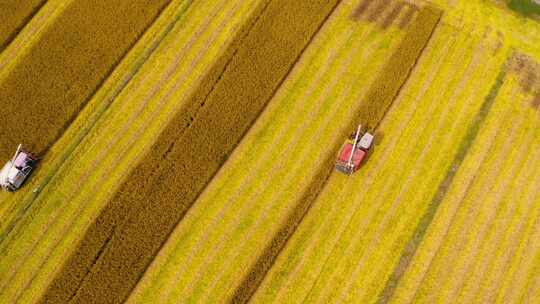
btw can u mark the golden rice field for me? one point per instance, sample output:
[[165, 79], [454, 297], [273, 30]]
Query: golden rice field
[[187, 151]]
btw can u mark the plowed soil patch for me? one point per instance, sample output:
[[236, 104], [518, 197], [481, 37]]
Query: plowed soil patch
[[14, 14], [54, 79], [126, 236]]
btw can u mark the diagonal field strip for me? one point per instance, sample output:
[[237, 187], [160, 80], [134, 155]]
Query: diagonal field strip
[[464, 146], [135, 59], [15, 15], [173, 149]]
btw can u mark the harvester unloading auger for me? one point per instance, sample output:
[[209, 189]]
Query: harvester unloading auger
[[354, 151], [17, 170]]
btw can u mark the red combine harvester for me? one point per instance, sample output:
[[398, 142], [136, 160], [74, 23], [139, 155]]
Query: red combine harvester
[[354, 151]]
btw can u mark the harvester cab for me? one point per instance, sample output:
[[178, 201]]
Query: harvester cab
[[354, 151], [17, 170]]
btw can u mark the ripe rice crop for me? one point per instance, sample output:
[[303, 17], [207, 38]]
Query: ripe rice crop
[[14, 15], [125, 237], [64, 66]]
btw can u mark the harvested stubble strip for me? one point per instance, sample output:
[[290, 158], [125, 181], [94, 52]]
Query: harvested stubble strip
[[64, 66], [14, 14], [370, 113], [118, 247]]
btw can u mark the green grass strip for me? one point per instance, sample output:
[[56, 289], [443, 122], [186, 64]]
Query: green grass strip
[[120, 244], [426, 219]]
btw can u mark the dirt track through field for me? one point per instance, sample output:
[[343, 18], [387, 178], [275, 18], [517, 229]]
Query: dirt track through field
[[103, 281], [57, 76], [14, 15]]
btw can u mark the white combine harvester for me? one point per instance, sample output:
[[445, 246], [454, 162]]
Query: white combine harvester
[[17, 170]]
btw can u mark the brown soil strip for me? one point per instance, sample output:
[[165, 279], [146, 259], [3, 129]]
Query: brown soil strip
[[411, 246], [361, 9], [380, 7], [14, 15], [62, 70], [372, 110], [394, 13], [119, 246], [408, 16]]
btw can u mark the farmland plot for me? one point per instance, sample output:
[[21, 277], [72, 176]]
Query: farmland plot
[[212, 250], [347, 246], [483, 245], [59, 214]]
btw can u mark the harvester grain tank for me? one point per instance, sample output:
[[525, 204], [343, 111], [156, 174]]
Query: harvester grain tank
[[354, 151], [17, 170]]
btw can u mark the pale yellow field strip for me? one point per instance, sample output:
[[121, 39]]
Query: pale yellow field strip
[[477, 15], [469, 195], [464, 181], [502, 237], [232, 214], [298, 264], [78, 202]]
